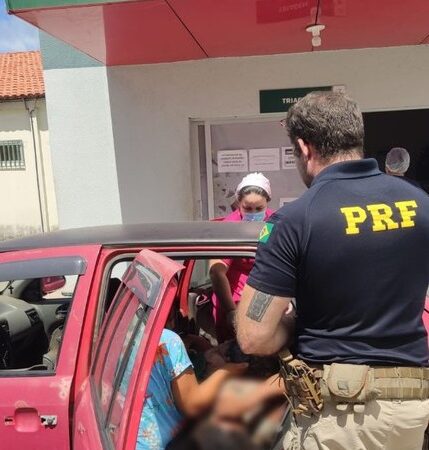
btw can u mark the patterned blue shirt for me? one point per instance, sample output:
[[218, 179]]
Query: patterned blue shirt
[[160, 420]]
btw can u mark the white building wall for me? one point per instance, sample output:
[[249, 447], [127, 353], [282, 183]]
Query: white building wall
[[151, 106], [82, 148], [19, 192]]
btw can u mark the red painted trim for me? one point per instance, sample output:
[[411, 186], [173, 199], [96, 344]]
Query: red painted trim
[[184, 283]]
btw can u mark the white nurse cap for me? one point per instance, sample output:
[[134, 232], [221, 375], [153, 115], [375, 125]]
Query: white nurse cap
[[255, 179]]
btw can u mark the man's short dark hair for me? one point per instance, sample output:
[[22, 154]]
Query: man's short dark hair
[[330, 121]]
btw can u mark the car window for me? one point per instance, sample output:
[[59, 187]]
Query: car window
[[33, 316], [200, 274], [119, 269], [114, 378], [113, 277], [120, 339], [113, 282], [125, 368]]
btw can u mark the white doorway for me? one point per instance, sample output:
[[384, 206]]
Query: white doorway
[[225, 150]]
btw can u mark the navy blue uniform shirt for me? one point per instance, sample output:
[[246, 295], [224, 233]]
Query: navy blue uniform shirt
[[410, 180], [354, 252]]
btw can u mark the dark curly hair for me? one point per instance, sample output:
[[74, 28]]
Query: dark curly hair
[[330, 121], [252, 190]]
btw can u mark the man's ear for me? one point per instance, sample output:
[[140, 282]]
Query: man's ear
[[305, 149]]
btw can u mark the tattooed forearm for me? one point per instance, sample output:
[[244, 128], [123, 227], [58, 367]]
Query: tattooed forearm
[[259, 305]]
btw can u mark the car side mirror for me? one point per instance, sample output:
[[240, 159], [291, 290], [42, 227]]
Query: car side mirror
[[52, 284]]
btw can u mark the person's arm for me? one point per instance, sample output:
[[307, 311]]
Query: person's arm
[[232, 403], [192, 398], [220, 283], [262, 328], [260, 320]]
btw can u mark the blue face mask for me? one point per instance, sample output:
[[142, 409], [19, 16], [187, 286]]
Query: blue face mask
[[254, 217]]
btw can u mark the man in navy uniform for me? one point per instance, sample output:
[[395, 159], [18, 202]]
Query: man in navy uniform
[[354, 252]]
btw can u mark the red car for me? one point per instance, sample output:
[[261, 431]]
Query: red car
[[71, 304], [74, 303]]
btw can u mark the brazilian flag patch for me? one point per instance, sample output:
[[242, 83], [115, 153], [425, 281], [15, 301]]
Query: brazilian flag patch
[[265, 233]]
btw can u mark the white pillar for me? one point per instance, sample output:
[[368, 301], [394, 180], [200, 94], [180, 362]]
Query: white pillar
[[82, 147], [81, 136], [31, 108]]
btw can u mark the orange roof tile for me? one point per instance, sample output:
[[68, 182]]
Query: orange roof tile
[[21, 75]]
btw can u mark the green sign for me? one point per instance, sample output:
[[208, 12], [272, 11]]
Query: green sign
[[18, 5], [279, 100]]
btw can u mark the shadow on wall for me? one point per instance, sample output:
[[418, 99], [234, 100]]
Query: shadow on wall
[[15, 231]]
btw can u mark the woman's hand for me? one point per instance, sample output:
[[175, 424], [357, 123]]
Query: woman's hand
[[221, 287]]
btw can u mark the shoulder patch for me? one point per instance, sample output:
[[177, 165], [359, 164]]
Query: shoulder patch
[[265, 233]]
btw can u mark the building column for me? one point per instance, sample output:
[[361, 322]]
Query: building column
[[81, 137], [31, 106]]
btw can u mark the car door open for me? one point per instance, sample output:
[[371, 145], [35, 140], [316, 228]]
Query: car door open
[[109, 405]]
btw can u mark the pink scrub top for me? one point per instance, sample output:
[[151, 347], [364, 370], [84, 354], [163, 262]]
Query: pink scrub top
[[238, 271]]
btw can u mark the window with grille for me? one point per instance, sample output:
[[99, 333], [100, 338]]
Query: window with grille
[[11, 155]]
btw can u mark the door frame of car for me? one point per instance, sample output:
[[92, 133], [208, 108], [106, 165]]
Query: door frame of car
[[112, 255]]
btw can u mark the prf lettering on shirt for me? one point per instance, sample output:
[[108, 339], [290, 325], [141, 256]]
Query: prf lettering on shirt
[[381, 216]]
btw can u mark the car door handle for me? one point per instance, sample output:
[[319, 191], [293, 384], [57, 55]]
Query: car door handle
[[28, 420]]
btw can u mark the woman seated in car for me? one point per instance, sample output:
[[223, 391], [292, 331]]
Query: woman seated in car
[[174, 394]]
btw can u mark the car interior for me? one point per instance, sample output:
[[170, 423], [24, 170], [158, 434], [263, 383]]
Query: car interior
[[33, 313]]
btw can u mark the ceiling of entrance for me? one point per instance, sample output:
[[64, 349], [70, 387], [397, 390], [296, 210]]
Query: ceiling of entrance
[[153, 31]]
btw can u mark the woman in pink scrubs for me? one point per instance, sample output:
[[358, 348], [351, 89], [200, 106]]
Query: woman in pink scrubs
[[229, 276]]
